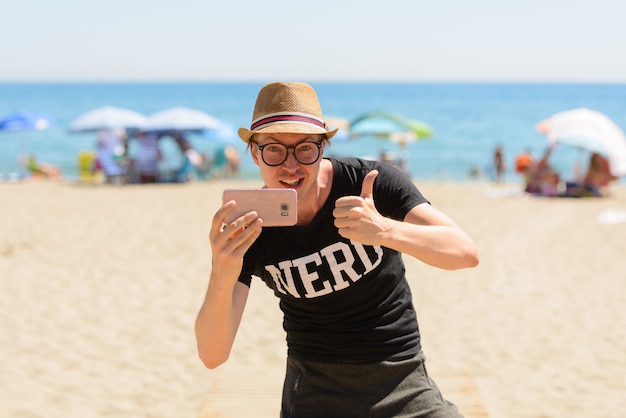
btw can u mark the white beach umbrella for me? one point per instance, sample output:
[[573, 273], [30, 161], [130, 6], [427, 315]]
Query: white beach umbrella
[[590, 130], [108, 117], [181, 119]]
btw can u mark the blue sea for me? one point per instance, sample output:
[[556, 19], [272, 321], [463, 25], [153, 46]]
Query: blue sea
[[469, 120]]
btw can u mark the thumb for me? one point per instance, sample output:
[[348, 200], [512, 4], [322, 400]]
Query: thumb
[[367, 189]]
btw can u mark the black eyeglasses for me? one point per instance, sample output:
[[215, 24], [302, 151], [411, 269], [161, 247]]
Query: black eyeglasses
[[305, 152]]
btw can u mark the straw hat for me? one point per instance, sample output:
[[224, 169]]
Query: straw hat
[[287, 108]]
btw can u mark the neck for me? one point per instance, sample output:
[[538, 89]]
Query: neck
[[317, 198]]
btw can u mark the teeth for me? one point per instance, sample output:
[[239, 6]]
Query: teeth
[[291, 182]]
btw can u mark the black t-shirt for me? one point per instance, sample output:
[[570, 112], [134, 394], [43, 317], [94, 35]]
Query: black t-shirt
[[342, 301]]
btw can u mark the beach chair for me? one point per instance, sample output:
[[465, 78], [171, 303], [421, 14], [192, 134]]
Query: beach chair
[[87, 172]]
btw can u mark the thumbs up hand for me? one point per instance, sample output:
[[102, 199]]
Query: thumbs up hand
[[367, 188], [356, 217]]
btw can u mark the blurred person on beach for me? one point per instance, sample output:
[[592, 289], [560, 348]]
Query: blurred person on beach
[[226, 162], [542, 179], [476, 172], [193, 162], [499, 166], [524, 165], [389, 157], [597, 177], [524, 162], [146, 161], [598, 174], [353, 340], [42, 170], [111, 150]]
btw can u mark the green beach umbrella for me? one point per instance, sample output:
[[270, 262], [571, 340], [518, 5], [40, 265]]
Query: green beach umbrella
[[390, 126]]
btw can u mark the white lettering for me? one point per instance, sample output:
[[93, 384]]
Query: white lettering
[[336, 268], [282, 285], [308, 269], [309, 277], [360, 250]]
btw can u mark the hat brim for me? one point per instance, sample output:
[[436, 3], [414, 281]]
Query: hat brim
[[286, 128]]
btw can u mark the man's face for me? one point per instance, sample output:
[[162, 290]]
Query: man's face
[[291, 173]]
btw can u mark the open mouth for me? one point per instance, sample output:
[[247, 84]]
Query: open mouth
[[292, 182]]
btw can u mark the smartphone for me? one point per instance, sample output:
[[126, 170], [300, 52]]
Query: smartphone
[[277, 207]]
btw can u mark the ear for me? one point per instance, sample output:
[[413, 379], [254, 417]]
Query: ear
[[254, 151], [325, 143]]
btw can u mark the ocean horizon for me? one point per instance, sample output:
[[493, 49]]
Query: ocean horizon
[[469, 119]]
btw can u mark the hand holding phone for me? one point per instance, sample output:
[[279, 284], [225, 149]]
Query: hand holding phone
[[277, 207]]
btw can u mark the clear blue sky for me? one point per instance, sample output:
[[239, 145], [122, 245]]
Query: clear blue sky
[[216, 40]]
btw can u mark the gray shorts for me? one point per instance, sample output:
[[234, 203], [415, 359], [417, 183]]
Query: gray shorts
[[383, 389]]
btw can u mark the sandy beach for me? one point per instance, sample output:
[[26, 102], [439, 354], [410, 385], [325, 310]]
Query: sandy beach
[[101, 285]]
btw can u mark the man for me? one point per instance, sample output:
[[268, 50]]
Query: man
[[353, 340]]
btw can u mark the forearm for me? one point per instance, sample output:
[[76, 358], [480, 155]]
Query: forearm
[[217, 322], [443, 246]]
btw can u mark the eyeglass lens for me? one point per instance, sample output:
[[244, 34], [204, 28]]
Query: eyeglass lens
[[305, 153]]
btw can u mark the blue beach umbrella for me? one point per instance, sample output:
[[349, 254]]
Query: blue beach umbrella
[[25, 120]]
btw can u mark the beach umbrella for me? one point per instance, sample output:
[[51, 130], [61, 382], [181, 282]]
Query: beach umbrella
[[108, 118], [389, 126], [589, 130], [25, 120], [181, 119]]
